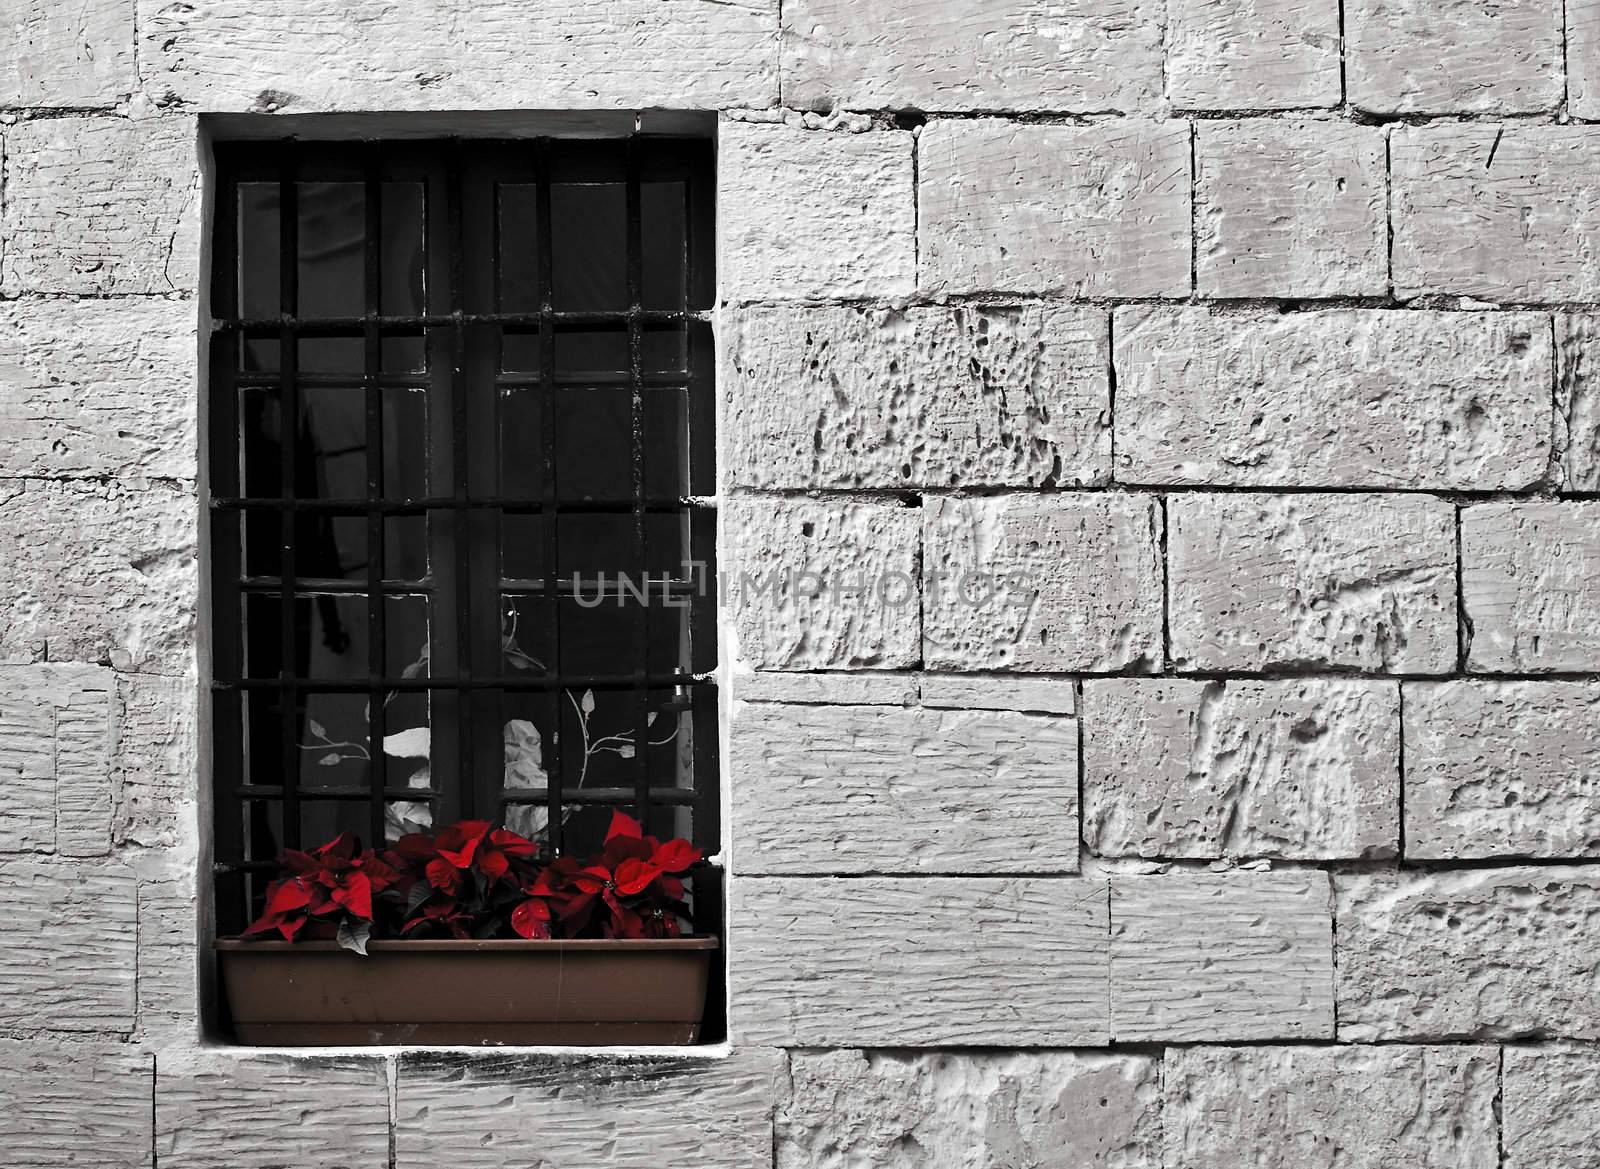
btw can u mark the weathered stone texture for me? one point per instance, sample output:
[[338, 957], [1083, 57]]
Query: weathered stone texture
[[1347, 581], [486, 1111], [98, 388], [68, 961], [1098, 210], [1551, 1107], [907, 962], [843, 205], [1042, 582], [239, 1109], [74, 1106], [54, 54], [1454, 56], [1505, 213], [1290, 208], [1339, 398], [953, 396], [1221, 957], [872, 1110], [1583, 58], [817, 584], [459, 55], [1502, 769], [1578, 399], [156, 762], [828, 687], [882, 789], [170, 929], [103, 206], [1321, 1107], [998, 692], [1083, 55], [1530, 581], [95, 572], [56, 733], [1252, 54], [1305, 769], [1487, 953]]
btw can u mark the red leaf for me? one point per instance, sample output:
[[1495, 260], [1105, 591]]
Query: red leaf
[[356, 896], [675, 856], [493, 864], [531, 919], [623, 824], [512, 843], [633, 876]]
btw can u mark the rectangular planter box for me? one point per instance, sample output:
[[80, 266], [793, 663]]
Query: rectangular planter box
[[583, 991]]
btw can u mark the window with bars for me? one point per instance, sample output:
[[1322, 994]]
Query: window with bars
[[461, 477]]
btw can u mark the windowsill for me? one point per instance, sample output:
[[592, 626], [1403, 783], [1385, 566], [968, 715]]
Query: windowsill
[[705, 1051]]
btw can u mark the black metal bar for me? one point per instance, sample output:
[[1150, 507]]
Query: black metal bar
[[589, 589], [405, 506], [544, 683], [641, 694], [544, 234], [603, 796], [372, 361], [289, 407], [459, 420], [521, 795], [353, 326]]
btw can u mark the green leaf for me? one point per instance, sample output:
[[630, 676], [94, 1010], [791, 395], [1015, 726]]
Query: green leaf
[[353, 935]]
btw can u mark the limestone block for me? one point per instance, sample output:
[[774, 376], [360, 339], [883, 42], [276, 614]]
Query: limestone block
[[1099, 210], [1530, 581], [1221, 957], [1042, 582], [1578, 399], [68, 1106], [828, 687], [813, 213], [1552, 1106], [170, 937], [1307, 768], [54, 54], [940, 396], [1583, 58], [1252, 54], [1336, 398], [912, 962], [157, 760], [882, 789], [910, 1110], [56, 734], [999, 692], [1347, 581], [68, 961]]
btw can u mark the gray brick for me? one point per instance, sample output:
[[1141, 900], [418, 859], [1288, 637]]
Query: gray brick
[[1454, 56], [1252, 54], [56, 734], [157, 760], [1098, 210], [1530, 580], [1552, 1106], [1217, 958], [71, 1105], [938, 396], [1361, 1107], [1291, 208], [1498, 230], [1578, 402], [54, 54], [845, 203], [1042, 582], [1347, 581], [1475, 953], [1304, 769], [907, 1110], [1335, 398], [68, 962], [911, 962], [880, 789], [828, 687], [1502, 769], [1583, 58]]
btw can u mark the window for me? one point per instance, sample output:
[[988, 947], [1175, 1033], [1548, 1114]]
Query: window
[[461, 462]]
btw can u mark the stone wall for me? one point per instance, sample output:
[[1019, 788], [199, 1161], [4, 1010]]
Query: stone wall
[[1240, 355]]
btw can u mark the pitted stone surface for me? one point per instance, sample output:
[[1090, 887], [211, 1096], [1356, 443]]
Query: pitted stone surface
[[1552, 1106], [233, 1108], [1304, 769], [1454, 56], [828, 687], [1334, 398], [845, 203], [954, 396], [897, 1110], [1502, 769], [1290, 208], [1221, 957], [76, 923], [236, 55], [878, 789], [1098, 210], [98, 388], [1530, 581], [102, 206], [54, 54], [891, 962], [1491, 211], [156, 761], [1321, 1107], [1350, 581], [1083, 55], [1042, 582], [1578, 398], [70, 1106], [480, 1110], [56, 736], [98, 572], [817, 584], [1252, 54], [999, 692], [1583, 59], [1495, 953]]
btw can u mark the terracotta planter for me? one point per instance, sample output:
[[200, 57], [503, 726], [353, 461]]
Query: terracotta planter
[[314, 994]]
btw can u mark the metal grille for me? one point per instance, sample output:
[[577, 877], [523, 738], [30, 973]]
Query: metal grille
[[461, 469]]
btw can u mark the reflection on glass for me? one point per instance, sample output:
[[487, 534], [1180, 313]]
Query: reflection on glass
[[401, 287], [330, 634], [662, 214], [332, 245], [589, 226], [519, 248]]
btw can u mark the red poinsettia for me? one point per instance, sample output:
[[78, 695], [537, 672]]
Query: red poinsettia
[[635, 878], [329, 892]]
